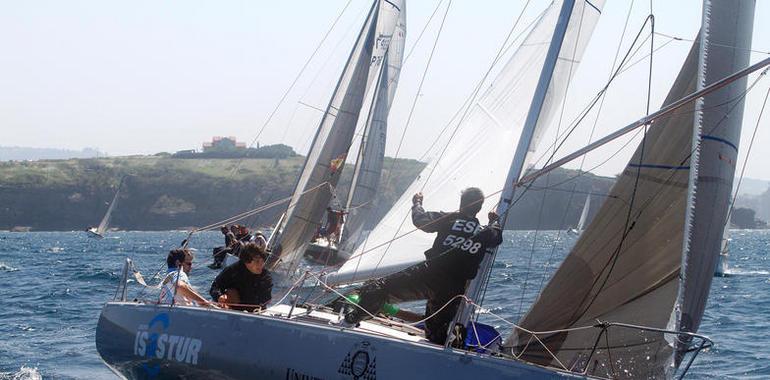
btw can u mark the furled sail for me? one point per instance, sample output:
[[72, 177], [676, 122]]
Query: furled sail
[[105, 223], [719, 116], [366, 178], [626, 265], [333, 139], [493, 124]]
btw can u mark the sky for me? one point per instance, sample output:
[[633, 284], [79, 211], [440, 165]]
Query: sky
[[143, 77]]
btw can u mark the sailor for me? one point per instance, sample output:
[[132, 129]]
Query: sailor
[[454, 258], [176, 284], [245, 285], [334, 221]]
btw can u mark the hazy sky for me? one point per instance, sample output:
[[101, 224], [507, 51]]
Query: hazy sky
[[139, 77]]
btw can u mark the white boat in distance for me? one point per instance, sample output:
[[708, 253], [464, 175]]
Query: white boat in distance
[[99, 231]]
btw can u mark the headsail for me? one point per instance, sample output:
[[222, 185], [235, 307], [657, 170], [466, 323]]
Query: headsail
[[366, 179], [332, 141], [105, 223], [492, 125], [727, 42], [626, 265]]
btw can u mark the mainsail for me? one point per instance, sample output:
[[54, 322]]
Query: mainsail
[[333, 139], [493, 124], [105, 223], [366, 178], [626, 265]]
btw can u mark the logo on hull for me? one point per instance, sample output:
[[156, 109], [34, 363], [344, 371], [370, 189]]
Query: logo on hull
[[360, 362], [152, 341]]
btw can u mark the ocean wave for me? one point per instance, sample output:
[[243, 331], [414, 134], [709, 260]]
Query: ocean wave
[[7, 268], [24, 373]]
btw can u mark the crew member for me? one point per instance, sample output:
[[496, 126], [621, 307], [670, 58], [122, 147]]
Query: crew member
[[176, 284], [245, 285], [454, 258]]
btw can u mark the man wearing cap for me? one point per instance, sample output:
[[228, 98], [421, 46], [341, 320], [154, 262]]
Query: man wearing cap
[[454, 258], [245, 285]]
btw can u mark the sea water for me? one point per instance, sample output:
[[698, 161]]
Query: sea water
[[53, 285]]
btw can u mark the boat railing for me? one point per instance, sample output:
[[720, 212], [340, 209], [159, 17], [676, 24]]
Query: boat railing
[[122, 290]]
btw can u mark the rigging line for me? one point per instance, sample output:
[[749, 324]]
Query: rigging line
[[584, 172], [419, 90], [628, 226], [675, 38], [293, 83], [684, 160], [590, 138], [746, 159], [593, 102], [411, 112], [643, 207], [548, 178], [527, 179], [470, 97], [473, 96]]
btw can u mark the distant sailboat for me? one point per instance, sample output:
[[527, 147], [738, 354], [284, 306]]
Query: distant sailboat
[[724, 253], [101, 229], [368, 168], [365, 87], [583, 216]]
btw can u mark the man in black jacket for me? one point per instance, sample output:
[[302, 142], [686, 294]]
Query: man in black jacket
[[245, 285], [454, 258]]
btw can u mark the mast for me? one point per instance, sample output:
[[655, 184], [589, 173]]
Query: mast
[[364, 139], [312, 158], [523, 150]]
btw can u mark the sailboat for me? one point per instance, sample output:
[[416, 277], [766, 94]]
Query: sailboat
[[722, 269], [368, 168], [365, 88], [640, 318], [583, 216], [99, 231]]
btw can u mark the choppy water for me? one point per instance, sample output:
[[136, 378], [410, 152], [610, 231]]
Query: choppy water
[[54, 284]]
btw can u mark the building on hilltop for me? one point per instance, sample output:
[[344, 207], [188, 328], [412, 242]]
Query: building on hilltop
[[224, 144]]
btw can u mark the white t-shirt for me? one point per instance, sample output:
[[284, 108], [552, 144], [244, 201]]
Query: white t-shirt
[[167, 291]]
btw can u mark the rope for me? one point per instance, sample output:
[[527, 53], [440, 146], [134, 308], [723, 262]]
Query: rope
[[293, 83], [746, 159]]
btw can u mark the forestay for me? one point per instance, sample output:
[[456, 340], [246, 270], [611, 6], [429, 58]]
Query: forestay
[[333, 139], [480, 152], [629, 272], [366, 178]]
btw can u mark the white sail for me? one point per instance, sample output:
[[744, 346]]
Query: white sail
[[492, 125], [584, 215], [629, 272], [366, 178], [105, 223], [727, 42], [333, 139]]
